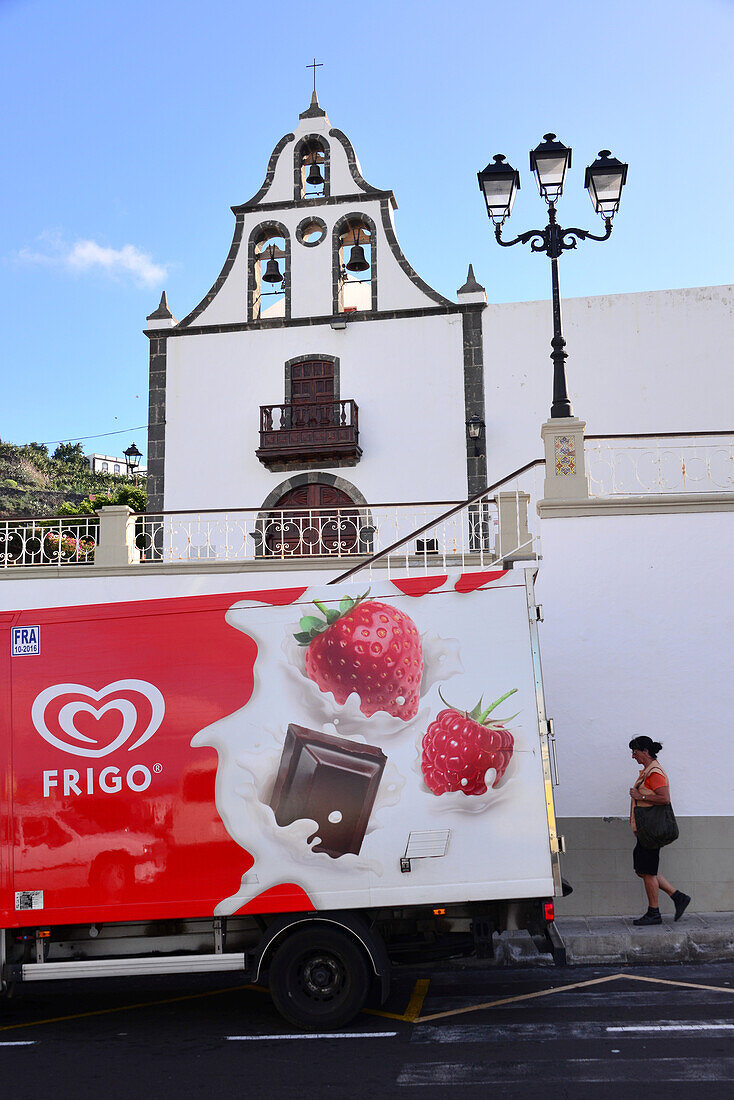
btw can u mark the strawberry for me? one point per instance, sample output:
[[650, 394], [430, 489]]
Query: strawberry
[[459, 747], [367, 647]]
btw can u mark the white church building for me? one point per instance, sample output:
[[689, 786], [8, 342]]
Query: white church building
[[337, 404]]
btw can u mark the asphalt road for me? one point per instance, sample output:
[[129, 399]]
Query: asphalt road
[[573, 1033]]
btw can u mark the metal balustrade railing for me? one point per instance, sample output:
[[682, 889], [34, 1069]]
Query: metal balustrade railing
[[484, 531], [60, 541], [637, 465]]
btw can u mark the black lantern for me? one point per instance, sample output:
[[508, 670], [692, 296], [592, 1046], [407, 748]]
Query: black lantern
[[499, 182], [550, 161], [475, 425], [604, 181], [272, 271], [132, 459]]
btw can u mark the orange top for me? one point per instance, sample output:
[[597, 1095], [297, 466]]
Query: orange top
[[655, 780]]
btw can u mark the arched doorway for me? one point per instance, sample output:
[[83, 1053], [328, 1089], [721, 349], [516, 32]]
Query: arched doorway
[[314, 520]]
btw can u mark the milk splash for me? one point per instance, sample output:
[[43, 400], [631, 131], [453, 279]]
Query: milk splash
[[249, 744]]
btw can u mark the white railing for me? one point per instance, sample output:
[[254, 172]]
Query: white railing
[[69, 540], [640, 465], [491, 528]]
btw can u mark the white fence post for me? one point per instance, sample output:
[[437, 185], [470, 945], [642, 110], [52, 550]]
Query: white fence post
[[514, 541], [116, 542]]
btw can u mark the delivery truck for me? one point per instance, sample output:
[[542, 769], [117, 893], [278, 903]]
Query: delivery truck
[[302, 784]]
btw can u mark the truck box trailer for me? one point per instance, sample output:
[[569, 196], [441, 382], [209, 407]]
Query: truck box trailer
[[300, 784]]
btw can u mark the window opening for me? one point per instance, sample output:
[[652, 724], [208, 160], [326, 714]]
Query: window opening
[[313, 169], [270, 275], [355, 266]]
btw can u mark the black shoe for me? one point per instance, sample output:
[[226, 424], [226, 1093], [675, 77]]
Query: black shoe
[[649, 918], [681, 903]]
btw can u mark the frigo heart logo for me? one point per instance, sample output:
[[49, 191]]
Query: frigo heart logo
[[57, 712]]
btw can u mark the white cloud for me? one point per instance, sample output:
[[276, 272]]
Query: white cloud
[[88, 255]]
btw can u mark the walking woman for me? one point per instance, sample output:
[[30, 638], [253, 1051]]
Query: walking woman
[[651, 789]]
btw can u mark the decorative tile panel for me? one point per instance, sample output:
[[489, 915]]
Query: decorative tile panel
[[565, 446]]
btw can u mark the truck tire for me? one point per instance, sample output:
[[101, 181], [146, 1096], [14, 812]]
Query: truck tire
[[319, 978]]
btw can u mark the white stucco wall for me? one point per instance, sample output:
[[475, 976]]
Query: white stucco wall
[[406, 376], [637, 639], [659, 361]]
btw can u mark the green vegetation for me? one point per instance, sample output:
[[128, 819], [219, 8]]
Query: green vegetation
[[35, 483]]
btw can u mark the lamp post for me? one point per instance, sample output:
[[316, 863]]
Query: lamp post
[[132, 459], [500, 182]]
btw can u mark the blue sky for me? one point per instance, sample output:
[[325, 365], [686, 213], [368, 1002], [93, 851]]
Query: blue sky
[[129, 129]]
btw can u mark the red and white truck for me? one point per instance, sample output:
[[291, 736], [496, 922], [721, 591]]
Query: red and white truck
[[299, 784]]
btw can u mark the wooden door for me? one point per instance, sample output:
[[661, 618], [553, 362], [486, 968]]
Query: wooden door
[[312, 394], [311, 521]]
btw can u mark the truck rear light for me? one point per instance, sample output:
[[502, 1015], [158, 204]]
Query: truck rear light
[[439, 912], [549, 913]]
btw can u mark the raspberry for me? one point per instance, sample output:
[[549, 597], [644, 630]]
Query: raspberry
[[459, 747]]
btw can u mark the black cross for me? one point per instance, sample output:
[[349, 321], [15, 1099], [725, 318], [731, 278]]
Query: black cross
[[315, 66]]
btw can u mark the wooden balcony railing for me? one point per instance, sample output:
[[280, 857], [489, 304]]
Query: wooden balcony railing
[[319, 431]]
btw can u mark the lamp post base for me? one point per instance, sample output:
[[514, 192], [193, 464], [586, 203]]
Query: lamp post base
[[565, 465]]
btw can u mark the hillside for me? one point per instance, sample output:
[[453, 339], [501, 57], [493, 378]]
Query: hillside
[[34, 483]]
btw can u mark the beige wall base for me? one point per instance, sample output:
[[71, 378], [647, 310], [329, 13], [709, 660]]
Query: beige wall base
[[598, 864]]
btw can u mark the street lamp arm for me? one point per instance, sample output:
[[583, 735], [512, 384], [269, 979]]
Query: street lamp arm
[[585, 234], [538, 239]]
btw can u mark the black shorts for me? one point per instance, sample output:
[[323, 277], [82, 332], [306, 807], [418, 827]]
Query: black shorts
[[645, 860]]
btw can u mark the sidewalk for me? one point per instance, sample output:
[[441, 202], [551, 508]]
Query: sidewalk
[[697, 937]]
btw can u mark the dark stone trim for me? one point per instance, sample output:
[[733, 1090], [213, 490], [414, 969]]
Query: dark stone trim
[[307, 359], [162, 313], [352, 161], [313, 478], [309, 322], [231, 257], [398, 254], [297, 180], [156, 424], [255, 200], [253, 239], [355, 215], [315, 110], [303, 226], [305, 204], [471, 286], [476, 449]]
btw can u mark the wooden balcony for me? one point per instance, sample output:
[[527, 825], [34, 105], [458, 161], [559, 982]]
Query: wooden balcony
[[325, 432]]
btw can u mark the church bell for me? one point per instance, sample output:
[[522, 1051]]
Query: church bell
[[357, 261], [314, 176], [272, 271]]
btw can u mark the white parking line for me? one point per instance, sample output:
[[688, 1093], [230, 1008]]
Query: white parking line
[[674, 1027], [315, 1035]]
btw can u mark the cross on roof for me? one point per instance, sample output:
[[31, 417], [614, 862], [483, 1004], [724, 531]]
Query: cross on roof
[[316, 65]]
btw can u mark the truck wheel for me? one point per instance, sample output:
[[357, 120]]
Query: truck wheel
[[319, 979]]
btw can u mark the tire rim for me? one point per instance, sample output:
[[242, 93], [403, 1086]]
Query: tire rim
[[321, 977]]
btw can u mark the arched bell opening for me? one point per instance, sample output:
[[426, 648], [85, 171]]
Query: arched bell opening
[[355, 264], [311, 168], [269, 275]]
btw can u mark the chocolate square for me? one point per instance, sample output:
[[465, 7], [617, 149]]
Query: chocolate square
[[321, 776]]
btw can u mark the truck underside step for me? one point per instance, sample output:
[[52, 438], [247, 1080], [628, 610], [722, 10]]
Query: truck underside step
[[112, 968]]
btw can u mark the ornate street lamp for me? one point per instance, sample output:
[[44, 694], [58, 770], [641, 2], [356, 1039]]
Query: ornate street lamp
[[550, 162], [132, 459]]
